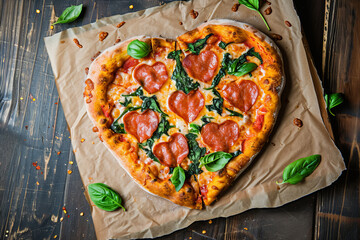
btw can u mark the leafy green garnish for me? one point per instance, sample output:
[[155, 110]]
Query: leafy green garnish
[[215, 161], [254, 5], [151, 103], [182, 80], [299, 169], [252, 52], [233, 113], [104, 197], [333, 100], [206, 119], [138, 49], [178, 178], [195, 152], [198, 45], [244, 69], [119, 128], [194, 128], [126, 102], [163, 128], [217, 103], [138, 92], [223, 45], [70, 14], [147, 147], [217, 79]]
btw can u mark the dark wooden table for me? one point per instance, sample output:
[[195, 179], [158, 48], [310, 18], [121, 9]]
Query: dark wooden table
[[33, 130]]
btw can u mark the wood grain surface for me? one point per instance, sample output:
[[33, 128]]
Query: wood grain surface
[[34, 133]]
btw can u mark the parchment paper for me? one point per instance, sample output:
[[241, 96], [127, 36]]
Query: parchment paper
[[151, 216]]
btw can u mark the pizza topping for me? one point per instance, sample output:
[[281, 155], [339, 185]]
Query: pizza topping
[[141, 126], [138, 49], [178, 178], [107, 111], [151, 78], [201, 67], [220, 137], [173, 152], [259, 121], [217, 103], [129, 64], [198, 45], [195, 153], [243, 95], [187, 106], [216, 161], [182, 80]]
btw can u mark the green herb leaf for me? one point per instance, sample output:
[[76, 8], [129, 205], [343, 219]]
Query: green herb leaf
[[301, 168], [138, 49], [233, 113], [195, 152], [70, 14], [217, 103], [252, 52], [104, 197], [215, 161], [178, 178], [223, 45], [118, 128], [206, 119], [333, 100], [182, 81], [126, 102], [254, 5], [217, 79], [138, 92], [163, 128], [194, 128], [151, 103], [147, 147], [127, 109], [198, 45], [244, 69]]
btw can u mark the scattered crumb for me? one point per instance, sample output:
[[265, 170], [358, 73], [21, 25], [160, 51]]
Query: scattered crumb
[[69, 172], [95, 129], [81, 214], [268, 3], [58, 153], [56, 103], [95, 56], [181, 23], [298, 122], [268, 11], [203, 231], [21, 98], [37, 183], [245, 229], [38, 167], [117, 40], [210, 221], [194, 14], [273, 144], [287, 23], [235, 7], [103, 35], [71, 162], [131, 6], [61, 219], [76, 41], [64, 210], [120, 24], [92, 142], [62, 41], [51, 27], [34, 99], [82, 140], [55, 236], [26, 127], [276, 37], [86, 70], [37, 11]]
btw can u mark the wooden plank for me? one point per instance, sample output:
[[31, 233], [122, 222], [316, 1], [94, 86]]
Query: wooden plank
[[338, 211]]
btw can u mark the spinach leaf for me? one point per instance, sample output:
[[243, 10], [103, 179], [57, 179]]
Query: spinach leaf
[[206, 119], [195, 153], [126, 102], [215, 161], [147, 147], [138, 92], [104, 197], [333, 100], [252, 52], [116, 127], [127, 109], [138, 49], [194, 128], [301, 168], [217, 103], [151, 103], [254, 5], [163, 128], [198, 45], [217, 79], [70, 14], [223, 45], [182, 80], [178, 178], [233, 113]]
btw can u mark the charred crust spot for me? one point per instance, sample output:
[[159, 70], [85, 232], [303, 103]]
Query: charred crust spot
[[222, 172], [214, 187], [266, 81], [189, 190], [182, 194], [102, 120], [298, 122], [103, 35], [103, 67]]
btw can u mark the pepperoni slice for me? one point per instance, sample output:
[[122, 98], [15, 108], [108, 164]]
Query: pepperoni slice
[[173, 152], [142, 126], [151, 78], [128, 64], [220, 137], [187, 106], [201, 67], [243, 95]]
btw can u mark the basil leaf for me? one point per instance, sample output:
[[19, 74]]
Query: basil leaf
[[126, 102], [70, 14], [254, 5], [252, 52], [194, 128], [182, 80], [198, 45], [244, 69], [178, 178], [138, 92], [215, 161], [151, 103], [224, 45], [333, 100], [217, 103], [206, 119], [233, 113], [301, 168], [138, 49], [104, 197]]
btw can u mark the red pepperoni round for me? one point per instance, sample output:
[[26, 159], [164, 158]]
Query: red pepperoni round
[[173, 152], [220, 137], [142, 126], [128, 64], [151, 78], [243, 95], [201, 67], [187, 106]]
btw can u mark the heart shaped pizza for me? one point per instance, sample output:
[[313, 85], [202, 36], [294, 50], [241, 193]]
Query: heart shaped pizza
[[185, 117]]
